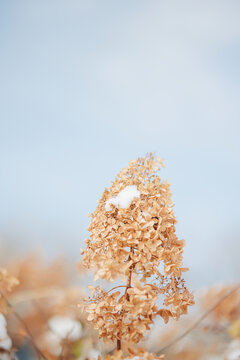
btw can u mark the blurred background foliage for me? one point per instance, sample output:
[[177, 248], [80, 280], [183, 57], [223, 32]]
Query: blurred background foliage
[[87, 86]]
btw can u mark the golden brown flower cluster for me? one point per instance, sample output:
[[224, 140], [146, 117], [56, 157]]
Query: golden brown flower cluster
[[132, 237]]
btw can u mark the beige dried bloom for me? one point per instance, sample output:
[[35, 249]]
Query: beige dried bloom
[[132, 237], [7, 284], [228, 310]]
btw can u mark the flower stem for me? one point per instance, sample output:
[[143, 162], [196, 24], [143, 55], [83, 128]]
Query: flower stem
[[119, 345], [128, 286]]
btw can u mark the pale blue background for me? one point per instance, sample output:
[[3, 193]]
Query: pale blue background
[[86, 86]]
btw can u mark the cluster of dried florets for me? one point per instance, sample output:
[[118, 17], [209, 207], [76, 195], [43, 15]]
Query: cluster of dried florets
[[132, 237], [212, 334]]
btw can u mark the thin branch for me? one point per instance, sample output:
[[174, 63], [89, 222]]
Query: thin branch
[[41, 312], [119, 345], [196, 323], [131, 268], [129, 284], [102, 295], [116, 287], [21, 321]]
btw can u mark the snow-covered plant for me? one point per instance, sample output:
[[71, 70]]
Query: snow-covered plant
[[132, 238]]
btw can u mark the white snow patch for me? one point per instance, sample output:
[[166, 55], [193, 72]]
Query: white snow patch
[[124, 197], [93, 354], [61, 327], [5, 341], [53, 343], [233, 352], [65, 327]]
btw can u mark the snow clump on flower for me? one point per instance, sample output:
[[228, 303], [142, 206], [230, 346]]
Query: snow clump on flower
[[233, 351], [124, 197]]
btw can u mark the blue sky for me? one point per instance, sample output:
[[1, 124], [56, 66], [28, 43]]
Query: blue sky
[[87, 86]]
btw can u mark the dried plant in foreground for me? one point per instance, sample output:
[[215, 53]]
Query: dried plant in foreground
[[228, 310], [7, 284], [214, 333], [45, 315], [132, 238]]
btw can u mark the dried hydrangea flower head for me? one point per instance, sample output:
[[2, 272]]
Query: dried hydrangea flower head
[[132, 237]]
